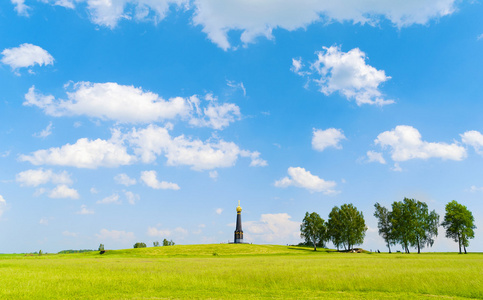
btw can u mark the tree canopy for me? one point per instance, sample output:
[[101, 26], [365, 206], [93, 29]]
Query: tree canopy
[[313, 229], [459, 224], [346, 226], [384, 225]]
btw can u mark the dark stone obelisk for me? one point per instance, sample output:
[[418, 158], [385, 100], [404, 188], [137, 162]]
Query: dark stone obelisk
[[238, 230]]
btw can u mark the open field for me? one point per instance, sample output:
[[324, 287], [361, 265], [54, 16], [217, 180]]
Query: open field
[[240, 271]]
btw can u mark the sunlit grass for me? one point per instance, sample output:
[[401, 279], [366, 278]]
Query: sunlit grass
[[240, 271]]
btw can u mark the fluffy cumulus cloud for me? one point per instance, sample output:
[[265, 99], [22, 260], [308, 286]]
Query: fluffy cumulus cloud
[[40, 176], [26, 55], [348, 74], [124, 179], [115, 235], [20, 7], [405, 143], [129, 104], [150, 179], [301, 178], [163, 233], [63, 191], [153, 140], [147, 144], [475, 139], [331, 137], [259, 18], [84, 153], [373, 156], [85, 211], [3, 205], [277, 228], [112, 199]]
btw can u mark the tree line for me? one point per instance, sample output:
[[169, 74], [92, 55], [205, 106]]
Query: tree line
[[409, 223]]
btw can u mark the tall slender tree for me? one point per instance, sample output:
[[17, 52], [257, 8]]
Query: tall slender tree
[[459, 224], [384, 225], [313, 229]]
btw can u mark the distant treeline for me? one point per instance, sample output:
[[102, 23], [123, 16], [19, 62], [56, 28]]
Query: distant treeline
[[75, 251]]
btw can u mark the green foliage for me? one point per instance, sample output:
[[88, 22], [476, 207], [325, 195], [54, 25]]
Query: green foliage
[[384, 225], [140, 245], [101, 247], [313, 230], [167, 243], [346, 226], [40, 252], [459, 224], [156, 244], [413, 224]]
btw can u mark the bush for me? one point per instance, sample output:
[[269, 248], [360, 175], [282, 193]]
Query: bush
[[140, 245]]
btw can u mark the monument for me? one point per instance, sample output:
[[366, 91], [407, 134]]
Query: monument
[[238, 229]]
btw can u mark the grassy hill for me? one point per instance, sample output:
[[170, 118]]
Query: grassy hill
[[221, 271]]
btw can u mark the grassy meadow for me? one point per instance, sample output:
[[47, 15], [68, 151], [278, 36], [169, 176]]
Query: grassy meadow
[[245, 271]]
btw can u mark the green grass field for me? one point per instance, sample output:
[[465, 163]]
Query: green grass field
[[240, 272]]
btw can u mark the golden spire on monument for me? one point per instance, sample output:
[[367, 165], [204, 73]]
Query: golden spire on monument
[[238, 208]]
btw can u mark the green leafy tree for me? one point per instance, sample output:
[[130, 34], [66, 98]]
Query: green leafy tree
[[413, 224], [156, 244], [346, 226], [313, 230], [459, 224], [101, 247], [140, 245], [168, 243], [384, 225]]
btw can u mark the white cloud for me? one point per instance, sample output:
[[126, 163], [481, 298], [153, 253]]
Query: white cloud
[[37, 177], [45, 132], [235, 85], [85, 211], [299, 177], [21, 8], [115, 235], [474, 139], [110, 101], [163, 233], [83, 154], [132, 198], [373, 156], [348, 74], [44, 221], [69, 234], [63, 191], [154, 140], [26, 55], [213, 174], [218, 211], [397, 168], [124, 179], [405, 143], [129, 104], [258, 18], [479, 37], [93, 190], [331, 137], [3, 205], [112, 199], [278, 228], [150, 179]]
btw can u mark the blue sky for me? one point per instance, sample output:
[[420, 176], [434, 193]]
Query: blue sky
[[138, 120]]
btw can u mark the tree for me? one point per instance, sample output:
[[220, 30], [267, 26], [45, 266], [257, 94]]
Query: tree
[[346, 226], [313, 229], [101, 247], [139, 245], [413, 224], [459, 224], [167, 243], [156, 244], [384, 224]]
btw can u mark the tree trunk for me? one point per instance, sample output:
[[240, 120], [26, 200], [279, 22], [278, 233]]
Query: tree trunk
[[389, 246], [464, 248], [459, 243]]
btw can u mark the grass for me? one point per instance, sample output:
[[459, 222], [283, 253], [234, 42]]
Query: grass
[[240, 272]]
